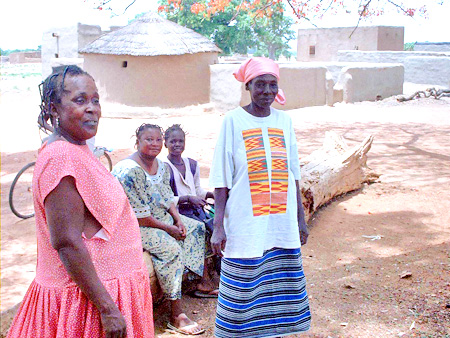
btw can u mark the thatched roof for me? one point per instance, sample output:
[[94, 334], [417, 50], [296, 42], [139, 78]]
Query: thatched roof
[[151, 35]]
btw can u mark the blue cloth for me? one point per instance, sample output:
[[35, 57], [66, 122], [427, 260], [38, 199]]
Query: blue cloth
[[263, 297]]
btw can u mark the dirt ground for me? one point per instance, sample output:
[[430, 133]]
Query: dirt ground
[[397, 285]]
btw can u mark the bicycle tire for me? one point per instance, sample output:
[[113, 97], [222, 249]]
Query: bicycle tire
[[108, 163], [21, 206]]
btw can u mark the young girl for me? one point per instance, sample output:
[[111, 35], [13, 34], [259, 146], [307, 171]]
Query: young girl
[[190, 198]]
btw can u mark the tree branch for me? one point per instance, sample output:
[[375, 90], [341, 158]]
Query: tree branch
[[399, 7], [129, 6], [360, 16], [299, 16], [237, 12]]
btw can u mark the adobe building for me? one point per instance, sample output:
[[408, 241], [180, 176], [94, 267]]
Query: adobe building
[[61, 45], [25, 57], [323, 44], [152, 62]]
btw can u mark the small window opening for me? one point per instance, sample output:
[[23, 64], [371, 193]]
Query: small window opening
[[312, 50], [124, 64]]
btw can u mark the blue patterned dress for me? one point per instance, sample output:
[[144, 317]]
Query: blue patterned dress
[[151, 195]]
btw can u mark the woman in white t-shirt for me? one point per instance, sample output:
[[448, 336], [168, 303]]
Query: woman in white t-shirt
[[259, 222]]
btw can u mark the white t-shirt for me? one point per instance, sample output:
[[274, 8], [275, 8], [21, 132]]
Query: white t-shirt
[[257, 159]]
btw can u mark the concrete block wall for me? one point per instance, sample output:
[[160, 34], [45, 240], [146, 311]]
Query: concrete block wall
[[432, 47], [303, 85], [420, 67]]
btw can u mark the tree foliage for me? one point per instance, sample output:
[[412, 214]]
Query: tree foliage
[[310, 10], [237, 25], [233, 26]]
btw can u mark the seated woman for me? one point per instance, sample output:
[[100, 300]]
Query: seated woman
[[190, 198], [174, 241]]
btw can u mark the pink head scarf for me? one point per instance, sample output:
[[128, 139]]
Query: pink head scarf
[[257, 66]]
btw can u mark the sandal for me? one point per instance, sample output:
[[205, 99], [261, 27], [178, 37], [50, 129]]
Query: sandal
[[186, 330], [205, 294]]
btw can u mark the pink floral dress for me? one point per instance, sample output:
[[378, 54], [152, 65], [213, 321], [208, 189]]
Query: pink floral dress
[[54, 306]]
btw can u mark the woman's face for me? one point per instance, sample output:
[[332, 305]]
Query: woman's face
[[263, 90], [150, 142], [175, 142], [79, 111]]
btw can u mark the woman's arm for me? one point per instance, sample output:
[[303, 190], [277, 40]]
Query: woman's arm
[[173, 230], [66, 217], [302, 226], [219, 238]]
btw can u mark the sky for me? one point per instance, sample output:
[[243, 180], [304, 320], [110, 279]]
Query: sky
[[23, 22]]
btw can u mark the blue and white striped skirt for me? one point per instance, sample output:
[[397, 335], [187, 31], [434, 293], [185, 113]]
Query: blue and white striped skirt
[[263, 297]]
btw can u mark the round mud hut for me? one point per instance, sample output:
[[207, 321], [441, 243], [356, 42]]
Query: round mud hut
[[152, 62]]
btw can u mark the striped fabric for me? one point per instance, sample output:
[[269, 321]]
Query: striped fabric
[[280, 175], [269, 196], [257, 171], [263, 297]]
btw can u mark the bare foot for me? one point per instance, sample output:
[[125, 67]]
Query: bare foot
[[206, 286]]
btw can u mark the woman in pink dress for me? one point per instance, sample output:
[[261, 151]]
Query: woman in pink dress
[[91, 280]]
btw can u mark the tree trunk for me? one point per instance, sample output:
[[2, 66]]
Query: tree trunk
[[333, 170]]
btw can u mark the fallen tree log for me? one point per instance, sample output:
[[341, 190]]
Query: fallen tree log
[[333, 170], [436, 93], [330, 171]]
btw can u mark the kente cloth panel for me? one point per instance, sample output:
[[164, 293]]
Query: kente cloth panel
[[269, 195]]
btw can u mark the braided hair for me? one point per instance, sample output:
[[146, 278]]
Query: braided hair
[[171, 129], [52, 89], [145, 126]]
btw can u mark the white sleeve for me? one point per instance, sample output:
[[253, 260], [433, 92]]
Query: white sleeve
[[222, 167], [294, 162]]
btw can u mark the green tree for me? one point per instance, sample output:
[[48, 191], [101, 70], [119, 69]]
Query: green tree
[[234, 28], [274, 34]]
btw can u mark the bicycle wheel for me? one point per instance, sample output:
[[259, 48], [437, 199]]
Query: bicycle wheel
[[20, 193], [105, 159]]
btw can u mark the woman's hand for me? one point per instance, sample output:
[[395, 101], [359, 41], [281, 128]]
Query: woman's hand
[[114, 324], [304, 232], [181, 226], [302, 226], [177, 231], [218, 239], [196, 201]]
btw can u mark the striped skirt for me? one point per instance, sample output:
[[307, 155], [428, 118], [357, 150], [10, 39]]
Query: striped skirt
[[263, 297]]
